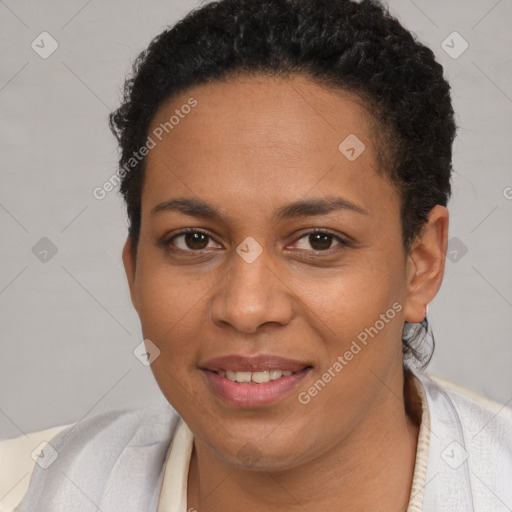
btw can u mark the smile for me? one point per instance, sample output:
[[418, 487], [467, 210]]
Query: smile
[[254, 377], [246, 381]]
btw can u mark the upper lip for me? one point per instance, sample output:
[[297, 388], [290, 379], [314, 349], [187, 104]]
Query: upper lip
[[263, 362]]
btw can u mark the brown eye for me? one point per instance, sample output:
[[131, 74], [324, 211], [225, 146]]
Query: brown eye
[[319, 241], [196, 240], [192, 240]]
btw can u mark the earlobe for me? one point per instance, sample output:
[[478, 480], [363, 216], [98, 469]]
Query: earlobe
[[130, 270], [425, 266]]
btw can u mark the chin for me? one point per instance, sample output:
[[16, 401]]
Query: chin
[[258, 454]]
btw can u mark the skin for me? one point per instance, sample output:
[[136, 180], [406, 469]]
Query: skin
[[250, 146]]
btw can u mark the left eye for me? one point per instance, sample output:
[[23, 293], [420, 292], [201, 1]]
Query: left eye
[[319, 241]]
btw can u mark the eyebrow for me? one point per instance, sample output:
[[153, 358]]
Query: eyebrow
[[300, 208]]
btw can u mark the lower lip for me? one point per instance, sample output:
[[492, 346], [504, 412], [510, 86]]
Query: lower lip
[[243, 394]]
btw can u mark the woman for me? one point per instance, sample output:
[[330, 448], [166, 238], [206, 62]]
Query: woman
[[286, 169]]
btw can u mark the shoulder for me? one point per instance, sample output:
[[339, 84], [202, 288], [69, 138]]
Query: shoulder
[[29, 462], [470, 449], [486, 425], [471, 406], [17, 461]]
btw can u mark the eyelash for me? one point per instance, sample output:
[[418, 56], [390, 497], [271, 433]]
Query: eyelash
[[341, 241]]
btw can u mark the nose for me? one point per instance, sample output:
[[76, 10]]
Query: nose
[[251, 295]]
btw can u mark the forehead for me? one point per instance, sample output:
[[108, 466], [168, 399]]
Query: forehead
[[262, 138], [284, 111]]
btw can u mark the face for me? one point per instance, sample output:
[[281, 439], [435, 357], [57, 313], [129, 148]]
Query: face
[[292, 262]]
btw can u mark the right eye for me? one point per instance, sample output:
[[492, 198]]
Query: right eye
[[190, 240]]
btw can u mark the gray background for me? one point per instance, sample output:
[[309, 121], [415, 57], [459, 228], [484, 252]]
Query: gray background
[[68, 329]]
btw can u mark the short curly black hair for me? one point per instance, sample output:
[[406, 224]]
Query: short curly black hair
[[354, 46]]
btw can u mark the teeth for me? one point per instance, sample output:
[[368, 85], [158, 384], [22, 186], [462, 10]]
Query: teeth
[[243, 376], [261, 377], [275, 374], [257, 377]]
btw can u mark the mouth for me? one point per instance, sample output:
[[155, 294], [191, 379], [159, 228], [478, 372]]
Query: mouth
[[259, 377], [247, 382]]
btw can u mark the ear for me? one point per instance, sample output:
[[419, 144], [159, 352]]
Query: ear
[[425, 264], [130, 269]]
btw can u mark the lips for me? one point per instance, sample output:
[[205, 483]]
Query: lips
[[259, 363], [246, 382]]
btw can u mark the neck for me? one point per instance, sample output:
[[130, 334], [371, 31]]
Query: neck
[[370, 470]]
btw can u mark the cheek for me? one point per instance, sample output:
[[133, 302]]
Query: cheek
[[360, 315], [353, 299], [161, 287], [169, 306]]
